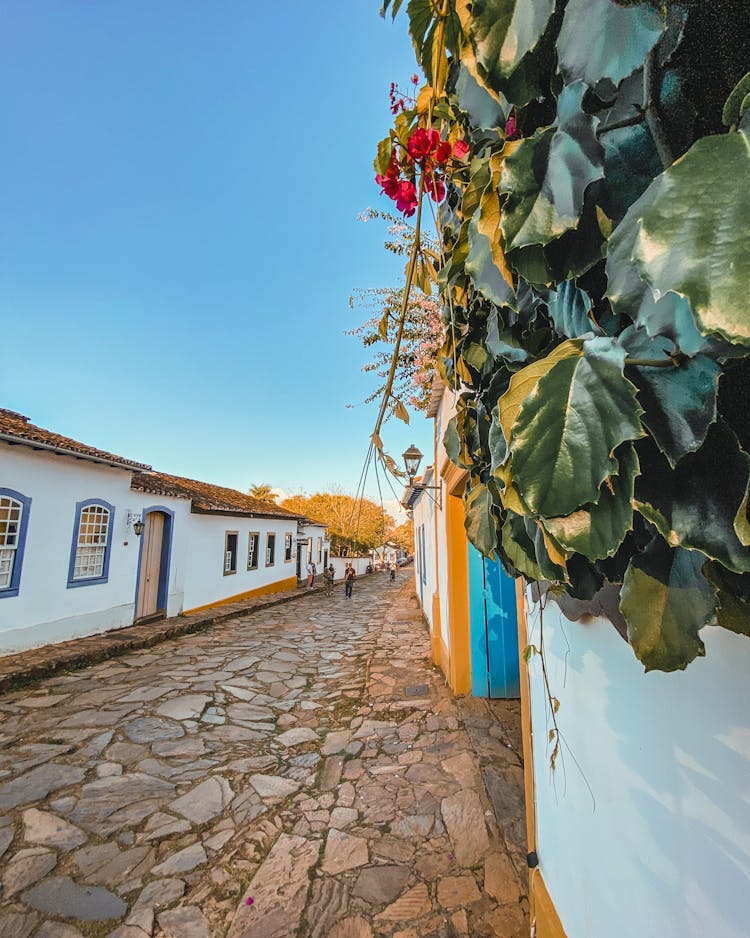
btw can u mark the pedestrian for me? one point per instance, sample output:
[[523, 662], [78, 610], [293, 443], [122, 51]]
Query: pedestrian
[[349, 577], [328, 577], [393, 571], [310, 574]]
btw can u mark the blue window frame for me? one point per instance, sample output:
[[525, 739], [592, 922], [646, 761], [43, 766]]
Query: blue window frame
[[14, 520], [92, 540]]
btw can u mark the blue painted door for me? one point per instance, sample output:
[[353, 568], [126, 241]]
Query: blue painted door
[[493, 629]]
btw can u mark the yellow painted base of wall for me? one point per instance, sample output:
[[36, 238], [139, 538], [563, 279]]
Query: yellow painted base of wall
[[279, 586], [543, 911]]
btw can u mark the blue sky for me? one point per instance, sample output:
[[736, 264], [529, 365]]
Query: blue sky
[[180, 184]]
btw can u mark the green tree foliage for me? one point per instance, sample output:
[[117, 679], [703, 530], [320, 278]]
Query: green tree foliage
[[594, 284], [354, 525], [263, 491]]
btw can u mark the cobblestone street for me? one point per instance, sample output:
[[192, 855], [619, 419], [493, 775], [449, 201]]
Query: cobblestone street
[[308, 758]]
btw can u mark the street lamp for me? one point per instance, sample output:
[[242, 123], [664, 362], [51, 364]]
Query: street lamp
[[412, 458]]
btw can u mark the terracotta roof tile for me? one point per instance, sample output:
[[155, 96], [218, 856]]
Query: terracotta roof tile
[[15, 427], [206, 497]]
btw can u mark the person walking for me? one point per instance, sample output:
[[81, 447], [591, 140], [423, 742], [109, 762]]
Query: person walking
[[328, 577], [349, 577], [310, 574], [393, 571]]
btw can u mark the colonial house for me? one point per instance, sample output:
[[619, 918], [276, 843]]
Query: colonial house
[[640, 825], [92, 541]]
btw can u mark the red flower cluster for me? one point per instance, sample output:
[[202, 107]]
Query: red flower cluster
[[431, 154]]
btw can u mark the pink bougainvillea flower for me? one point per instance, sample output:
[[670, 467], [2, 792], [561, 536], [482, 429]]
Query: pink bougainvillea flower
[[460, 149], [434, 185], [415, 79], [443, 153], [511, 128], [389, 185], [249, 900], [406, 200], [422, 143]]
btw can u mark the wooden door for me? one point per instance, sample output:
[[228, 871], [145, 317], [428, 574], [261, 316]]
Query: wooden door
[[151, 557], [494, 631]]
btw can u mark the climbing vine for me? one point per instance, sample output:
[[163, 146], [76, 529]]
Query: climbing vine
[[590, 165]]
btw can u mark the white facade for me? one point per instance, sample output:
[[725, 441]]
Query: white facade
[[47, 608], [666, 852], [206, 581]]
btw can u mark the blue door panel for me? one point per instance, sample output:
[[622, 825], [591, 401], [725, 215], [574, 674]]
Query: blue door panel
[[493, 629]]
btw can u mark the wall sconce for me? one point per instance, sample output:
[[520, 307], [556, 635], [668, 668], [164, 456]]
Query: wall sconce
[[138, 527], [412, 458], [135, 519]]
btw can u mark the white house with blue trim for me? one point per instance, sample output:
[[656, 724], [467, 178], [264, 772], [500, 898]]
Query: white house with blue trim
[[91, 541]]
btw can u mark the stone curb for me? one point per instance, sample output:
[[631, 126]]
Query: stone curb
[[26, 667]]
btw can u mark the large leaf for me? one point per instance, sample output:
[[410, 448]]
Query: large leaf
[[733, 597], [484, 109], [546, 177], [601, 39], [570, 311], [695, 504], [480, 265], [502, 32], [679, 403], [669, 315], [524, 382], [424, 27], [564, 437], [479, 521], [690, 239], [598, 529], [500, 341], [666, 601]]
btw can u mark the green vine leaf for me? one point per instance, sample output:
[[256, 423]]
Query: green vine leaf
[[666, 601], [474, 99], [481, 267], [423, 27], [733, 598], [693, 506], [481, 528], [598, 529], [546, 177], [570, 311], [562, 442], [737, 102], [679, 403], [689, 240], [502, 32], [602, 39]]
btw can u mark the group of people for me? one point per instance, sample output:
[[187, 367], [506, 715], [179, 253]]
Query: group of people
[[329, 577]]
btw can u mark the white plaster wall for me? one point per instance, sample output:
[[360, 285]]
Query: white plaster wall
[[445, 412], [205, 581], [339, 565], [46, 610], [424, 514], [666, 853]]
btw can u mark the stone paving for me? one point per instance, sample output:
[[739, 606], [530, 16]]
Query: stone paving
[[308, 758]]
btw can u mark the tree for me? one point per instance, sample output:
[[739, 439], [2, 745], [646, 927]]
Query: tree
[[423, 333], [403, 536], [354, 525], [263, 491]]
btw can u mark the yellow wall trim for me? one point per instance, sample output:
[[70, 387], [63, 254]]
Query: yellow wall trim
[[459, 671], [543, 911], [279, 586]]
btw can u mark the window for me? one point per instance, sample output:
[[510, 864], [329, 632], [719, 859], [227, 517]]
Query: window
[[14, 516], [92, 538], [270, 549], [320, 550], [230, 552], [253, 542], [287, 547]]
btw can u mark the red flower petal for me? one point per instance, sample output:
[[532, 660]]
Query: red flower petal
[[460, 149]]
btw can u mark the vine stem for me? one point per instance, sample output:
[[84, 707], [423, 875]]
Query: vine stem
[[652, 362], [651, 112]]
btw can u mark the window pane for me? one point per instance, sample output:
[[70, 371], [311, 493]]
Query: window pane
[[10, 521], [6, 567]]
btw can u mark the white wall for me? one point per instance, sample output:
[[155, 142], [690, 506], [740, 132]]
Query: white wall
[[339, 565], [205, 581], [46, 610], [424, 562], [666, 853]]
